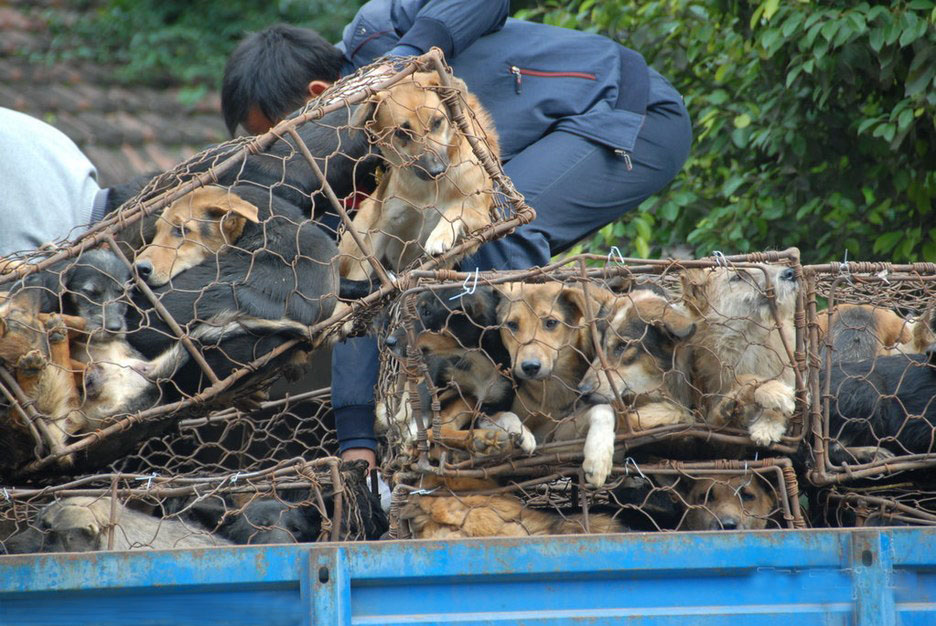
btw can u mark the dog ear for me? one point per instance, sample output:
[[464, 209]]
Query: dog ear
[[676, 324], [573, 298], [693, 290], [233, 203], [363, 116]]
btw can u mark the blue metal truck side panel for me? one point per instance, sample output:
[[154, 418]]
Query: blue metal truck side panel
[[813, 577]]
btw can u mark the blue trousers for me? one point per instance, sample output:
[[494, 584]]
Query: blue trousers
[[576, 186]]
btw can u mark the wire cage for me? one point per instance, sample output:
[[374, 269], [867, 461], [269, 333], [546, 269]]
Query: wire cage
[[268, 475], [618, 344], [658, 496], [219, 277], [873, 404], [904, 503]]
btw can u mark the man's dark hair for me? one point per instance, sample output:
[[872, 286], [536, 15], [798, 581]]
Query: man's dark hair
[[272, 69]]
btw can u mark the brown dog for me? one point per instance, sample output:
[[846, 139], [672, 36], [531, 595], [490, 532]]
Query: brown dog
[[735, 503], [434, 190], [197, 226], [453, 517], [740, 362], [549, 340], [645, 341], [861, 331]]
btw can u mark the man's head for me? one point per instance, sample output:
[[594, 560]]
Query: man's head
[[274, 72]]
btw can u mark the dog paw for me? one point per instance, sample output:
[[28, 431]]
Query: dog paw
[[598, 462], [443, 237], [487, 442], [521, 436], [31, 363], [56, 330], [776, 396], [93, 381], [765, 431]]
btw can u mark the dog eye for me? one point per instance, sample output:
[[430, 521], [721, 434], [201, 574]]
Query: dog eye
[[550, 323], [512, 326], [402, 135], [747, 495], [619, 348], [178, 231], [436, 123]]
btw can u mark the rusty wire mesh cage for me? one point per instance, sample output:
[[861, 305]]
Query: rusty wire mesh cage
[[220, 276], [661, 496], [874, 389], [479, 374], [904, 503]]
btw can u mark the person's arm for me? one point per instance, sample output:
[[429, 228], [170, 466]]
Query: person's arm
[[451, 25]]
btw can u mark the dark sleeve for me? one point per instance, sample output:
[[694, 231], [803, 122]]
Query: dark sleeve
[[355, 365], [453, 25]]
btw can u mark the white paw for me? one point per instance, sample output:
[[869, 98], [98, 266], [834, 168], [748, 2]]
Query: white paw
[[511, 423], [776, 396], [443, 237], [765, 431], [599, 445]]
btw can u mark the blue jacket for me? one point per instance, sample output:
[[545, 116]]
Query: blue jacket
[[532, 78]]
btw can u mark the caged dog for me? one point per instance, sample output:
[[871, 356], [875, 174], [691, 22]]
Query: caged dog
[[434, 191], [460, 342], [454, 517], [855, 332], [730, 503], [81, 524], [238, 287], [740, 361], [645, 338]]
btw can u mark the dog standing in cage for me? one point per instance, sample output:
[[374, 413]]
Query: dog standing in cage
[[740, 357], [434, 190]]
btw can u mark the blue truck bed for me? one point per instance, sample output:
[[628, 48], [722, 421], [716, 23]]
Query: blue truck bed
[[866, 576]]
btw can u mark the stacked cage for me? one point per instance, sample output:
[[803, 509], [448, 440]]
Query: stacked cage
[[596, 395], [137, 357], [874, 400]]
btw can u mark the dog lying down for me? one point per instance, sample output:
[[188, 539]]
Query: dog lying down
[[434, 191], [729, 503], [80, 524]]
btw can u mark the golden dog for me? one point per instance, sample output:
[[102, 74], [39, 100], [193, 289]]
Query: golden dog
[[434, 190], [735, 503], [740, 362]]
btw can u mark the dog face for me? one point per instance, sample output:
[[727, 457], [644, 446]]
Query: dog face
[[465, 317], [740, 293], [69, 528], [735, 503], [193, 228], [540, 323], [639, 342], [410, 124], [96, 285]]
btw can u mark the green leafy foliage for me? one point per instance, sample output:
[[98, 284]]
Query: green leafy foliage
[[179, 41], [814, 122]]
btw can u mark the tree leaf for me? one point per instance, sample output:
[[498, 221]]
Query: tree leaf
[[742, 121], [886, 242]]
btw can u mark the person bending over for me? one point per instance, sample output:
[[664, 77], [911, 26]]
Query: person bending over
[[587, 130]]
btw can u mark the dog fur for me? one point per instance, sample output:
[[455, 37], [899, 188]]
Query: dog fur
[[729, 503], [860, 331], [433, 192], [454, 517], [645, 340], [740, 363]]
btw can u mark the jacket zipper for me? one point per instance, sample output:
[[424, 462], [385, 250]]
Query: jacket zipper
[[519, 73]]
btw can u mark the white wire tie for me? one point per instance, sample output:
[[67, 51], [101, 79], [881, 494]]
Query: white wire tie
[[235, 477], [615, 256], [883, 276], [148, 479], [423, 492], [6, 494], [720, 259], [466, 291], [630, 461]]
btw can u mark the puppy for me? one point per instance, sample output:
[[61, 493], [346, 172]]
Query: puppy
[[645, 340], [740, 363], [860, 331], [461, 346], [80, 524], [433, 192], [550, 344], [454, 517], [735, 503]]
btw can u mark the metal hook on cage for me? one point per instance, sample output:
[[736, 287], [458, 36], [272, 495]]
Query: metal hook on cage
[[843, 268], [720, 258], [614, 255], [630, 461], [466, 291], [148, 479]]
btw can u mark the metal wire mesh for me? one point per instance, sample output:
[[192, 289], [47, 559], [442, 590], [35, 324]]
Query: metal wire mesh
[[907, 503], [874, 388]]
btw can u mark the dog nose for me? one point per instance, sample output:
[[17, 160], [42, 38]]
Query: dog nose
[[586, 386], [787, 274], [531, 367], [113, 324], [729, 523], [390, 341], [144, 268]]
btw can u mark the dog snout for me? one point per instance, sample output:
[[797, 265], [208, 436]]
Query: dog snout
[[144, 268], [728, 523], [587, 386], [788, 274], [430, 166], [113, 324], [531, 367]]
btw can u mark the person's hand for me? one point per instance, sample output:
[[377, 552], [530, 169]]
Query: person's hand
[[356, 454]]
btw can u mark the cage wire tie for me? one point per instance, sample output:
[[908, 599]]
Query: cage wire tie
[[466, 291], [6, 494], [148, 479], [883, 276], [720, 259], [630, 461], [843, 268], [615, 256], [423, 492], [235, 477]]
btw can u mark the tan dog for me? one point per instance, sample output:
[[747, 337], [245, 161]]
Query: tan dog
[[740, 362], [862, 331], [645, 342], [453, 517], [197, 226], [549, 340], [434, 190], [735, 503]]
